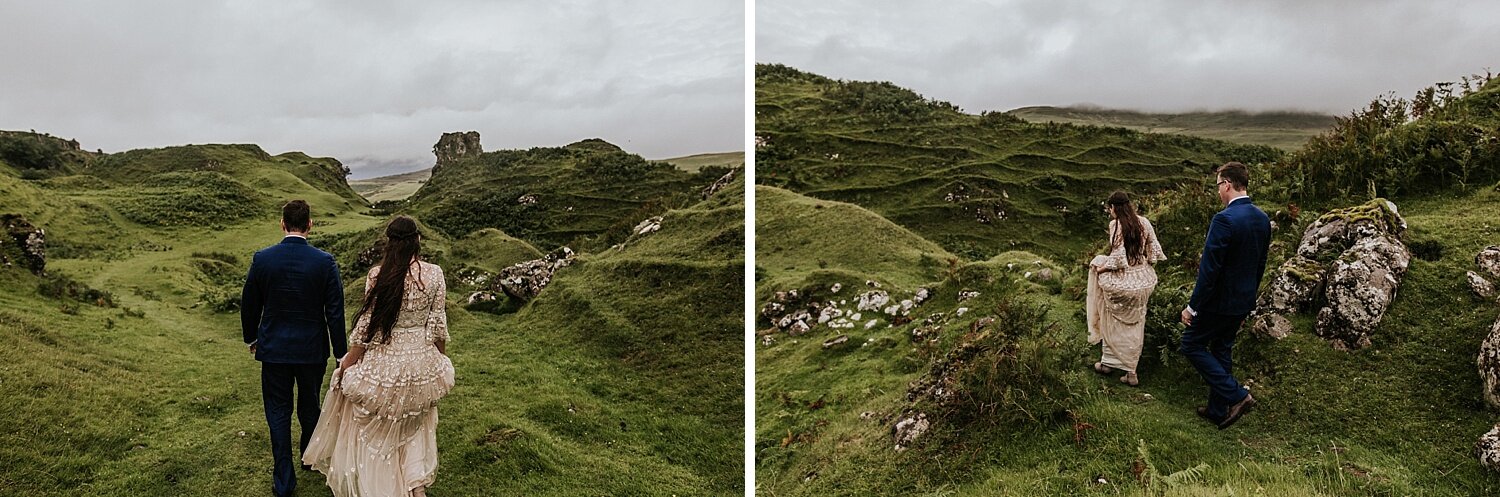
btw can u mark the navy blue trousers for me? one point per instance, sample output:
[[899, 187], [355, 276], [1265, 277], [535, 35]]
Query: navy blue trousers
[[1208, 344], [276, 384]]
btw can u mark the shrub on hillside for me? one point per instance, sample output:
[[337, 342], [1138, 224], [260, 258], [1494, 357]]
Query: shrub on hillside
[[59, 286], [1447, 136], [30, 152], [1004, 370], [197, 198], [884, 100]]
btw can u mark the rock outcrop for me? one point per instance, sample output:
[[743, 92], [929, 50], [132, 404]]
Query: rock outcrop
[[719, 184], [526, 280], [452, 147], [24, 245], [1348, 266]]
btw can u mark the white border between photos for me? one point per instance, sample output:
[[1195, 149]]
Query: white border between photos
[[749, 176]]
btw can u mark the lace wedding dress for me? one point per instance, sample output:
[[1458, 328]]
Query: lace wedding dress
[[377, 435], [1117, 296]]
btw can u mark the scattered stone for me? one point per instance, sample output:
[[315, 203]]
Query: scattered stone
[[909, 429], [29, 244], [479, 297], [835, 341], [835, 288], [872, 323], [961, 311], [1045, 274], [867, 415], [718, 184], [1489, 366], [527, 199], [1489, 260], [648, 226], [966, 295], [1272, 325], [527, 279], [767, 340], [1482, 287], [1487, 449], [921, 296], [872, 300], [872, 283]]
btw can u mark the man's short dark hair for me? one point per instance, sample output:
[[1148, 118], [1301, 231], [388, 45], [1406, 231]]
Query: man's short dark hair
[[1236, 174], [297, 216]]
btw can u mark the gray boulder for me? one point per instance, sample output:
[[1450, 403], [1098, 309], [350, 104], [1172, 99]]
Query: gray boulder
[[1336, 231], [1487, 449], [1489, 366], [1481, 287], [1361, 285], [527, 279], [1488, 260]]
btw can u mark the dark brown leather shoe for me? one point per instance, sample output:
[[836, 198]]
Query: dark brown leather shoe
[[1203, 413], [1236, 411]]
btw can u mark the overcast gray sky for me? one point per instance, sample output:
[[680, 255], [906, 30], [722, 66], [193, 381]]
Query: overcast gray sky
[[1140, 54], [374, 83]]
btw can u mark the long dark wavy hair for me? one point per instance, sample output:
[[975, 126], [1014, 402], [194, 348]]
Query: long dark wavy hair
[[1130, 226], [383, 301]]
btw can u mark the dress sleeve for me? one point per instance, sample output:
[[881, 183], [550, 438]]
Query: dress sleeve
[[437, 311], [362, 322], [1152, 244], [1116, 259]]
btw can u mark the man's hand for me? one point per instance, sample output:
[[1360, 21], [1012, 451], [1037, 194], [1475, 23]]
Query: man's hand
[[1187, 317], [252, 347]]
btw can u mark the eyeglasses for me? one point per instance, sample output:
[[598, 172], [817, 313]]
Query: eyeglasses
[[1216, 185]]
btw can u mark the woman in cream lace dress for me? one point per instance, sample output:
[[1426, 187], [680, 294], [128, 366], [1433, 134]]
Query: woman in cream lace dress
[[377, 436], [1119, 287]]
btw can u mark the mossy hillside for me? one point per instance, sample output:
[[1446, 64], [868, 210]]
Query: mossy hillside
[[1286, 130], [157, 395], [975, 184], [1324, 426], [492, 250], [586, 195], [802, 240]]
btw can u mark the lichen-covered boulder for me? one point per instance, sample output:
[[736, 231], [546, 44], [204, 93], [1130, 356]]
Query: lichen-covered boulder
[[1336, 231], [526, 280], [1488, 260], [1481, 287], [909, 429], [1489, 366], [1361, 285], [1297, 284], [1487, 449]]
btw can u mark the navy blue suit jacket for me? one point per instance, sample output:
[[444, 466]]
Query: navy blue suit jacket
[[1234, 258], [293, 304]]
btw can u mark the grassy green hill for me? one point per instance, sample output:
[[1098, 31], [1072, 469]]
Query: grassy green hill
[[587, 195], [695, 162], [401, 186], [1286, 130], [392, 187], [623, 378], [976, 184], [1025, 415]]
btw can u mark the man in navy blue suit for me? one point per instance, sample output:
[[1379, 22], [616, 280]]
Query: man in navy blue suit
[[292, 313], [1229, 272]]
